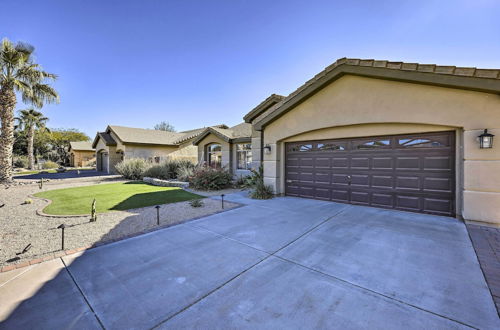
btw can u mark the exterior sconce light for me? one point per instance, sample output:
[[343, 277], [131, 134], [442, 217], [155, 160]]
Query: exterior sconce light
[[486, 140], [267, 149]]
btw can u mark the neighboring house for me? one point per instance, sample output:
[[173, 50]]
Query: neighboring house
[[117, 143], [81, 154], [229, 148], [387, 134]]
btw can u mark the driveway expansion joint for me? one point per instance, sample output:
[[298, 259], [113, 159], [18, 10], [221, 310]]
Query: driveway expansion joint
[[83, 295]]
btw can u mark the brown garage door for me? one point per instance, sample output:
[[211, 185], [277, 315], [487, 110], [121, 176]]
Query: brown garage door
[[407, 172]]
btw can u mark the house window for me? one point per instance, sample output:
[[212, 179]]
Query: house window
[[214, 153], [244, 156]]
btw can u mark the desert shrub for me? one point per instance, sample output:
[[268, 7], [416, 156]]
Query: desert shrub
[[208, 178], [196, 203], [171, 169], [49, 165], [259, 189], [157, 172], [133, 169], [21, 161], [185, 170]]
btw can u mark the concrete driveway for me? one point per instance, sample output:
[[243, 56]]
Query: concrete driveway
[[283, 263]]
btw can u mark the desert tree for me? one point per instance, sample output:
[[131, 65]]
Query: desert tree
[[19, 75]]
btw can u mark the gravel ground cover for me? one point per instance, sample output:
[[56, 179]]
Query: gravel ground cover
[[20, 225]]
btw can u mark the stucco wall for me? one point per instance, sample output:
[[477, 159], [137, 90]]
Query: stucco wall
[[185, 151], [209, 139], [352, 100], [82, 158]]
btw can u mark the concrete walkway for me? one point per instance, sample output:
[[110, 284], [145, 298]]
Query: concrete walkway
[[283, 263]]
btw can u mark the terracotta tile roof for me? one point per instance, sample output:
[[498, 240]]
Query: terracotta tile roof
[[489, 78], [81, 146]]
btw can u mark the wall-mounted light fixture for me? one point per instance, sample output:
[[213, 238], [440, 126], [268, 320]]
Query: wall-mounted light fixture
[[267, 149], [486, 140]]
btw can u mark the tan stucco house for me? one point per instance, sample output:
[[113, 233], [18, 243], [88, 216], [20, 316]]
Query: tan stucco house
[[229, 147], [81, 154], [117, 143], [386, 134]]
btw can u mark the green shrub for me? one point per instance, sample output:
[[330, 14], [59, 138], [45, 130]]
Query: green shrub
[[133, 169], [21, 162], [49, 165], [259, 189], [196, 203], [208, 178]]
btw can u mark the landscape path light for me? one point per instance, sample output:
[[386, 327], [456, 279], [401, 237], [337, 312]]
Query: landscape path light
[[62, 226], [157, 207], [222, 199]]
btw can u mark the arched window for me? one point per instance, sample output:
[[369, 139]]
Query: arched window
[[214, 155]]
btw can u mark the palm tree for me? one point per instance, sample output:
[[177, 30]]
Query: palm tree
[[29, 121], [18, 73]]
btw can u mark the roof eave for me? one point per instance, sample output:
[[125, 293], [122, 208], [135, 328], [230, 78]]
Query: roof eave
[[207, 132], [454, 81], [263, 106]]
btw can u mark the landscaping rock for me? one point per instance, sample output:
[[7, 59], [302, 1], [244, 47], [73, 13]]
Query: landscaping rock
[[166, 183]]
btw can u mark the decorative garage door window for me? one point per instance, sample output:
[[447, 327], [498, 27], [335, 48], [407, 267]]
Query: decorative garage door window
[[301, 147], [430, 142], [373, 144], [413, 172], [331, 146]]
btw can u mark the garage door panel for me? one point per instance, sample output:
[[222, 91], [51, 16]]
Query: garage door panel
[[435, 205], [306, 177], [408, 183], [322, 163], [440, 163], [323, 193], [360, 180], [340, 195], [382, 181], [413, 172], [410, 203], [305, 191], [340, 163], [360, 163], [341, 178], [382, 163], [306, 162], [382, 200], [438, 184], [360, 197], [323, 178], [408, 163]]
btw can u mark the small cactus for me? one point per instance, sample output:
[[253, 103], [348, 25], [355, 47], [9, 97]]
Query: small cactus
[[93, 213]]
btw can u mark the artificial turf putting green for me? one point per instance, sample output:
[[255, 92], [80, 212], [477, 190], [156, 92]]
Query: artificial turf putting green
[[110, 197]]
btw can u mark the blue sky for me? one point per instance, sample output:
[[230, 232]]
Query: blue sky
[[198, 63]]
